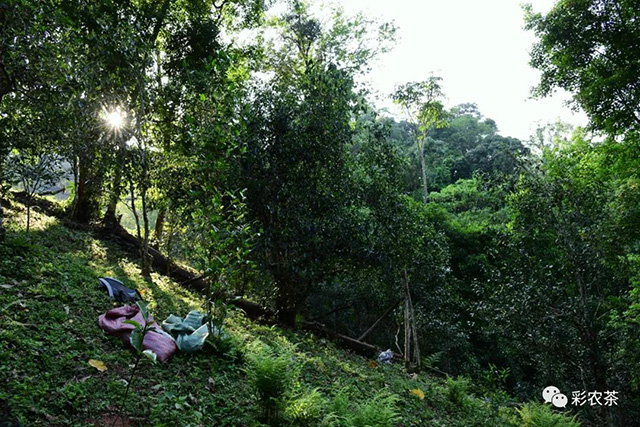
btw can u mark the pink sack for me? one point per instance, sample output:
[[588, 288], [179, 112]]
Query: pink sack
[[159, 342]]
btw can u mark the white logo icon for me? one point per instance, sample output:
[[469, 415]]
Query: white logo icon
[[549, 392], [559, 400], [552, 395]]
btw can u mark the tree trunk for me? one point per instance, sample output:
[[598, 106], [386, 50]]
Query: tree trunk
[[423, 166], [590, 339], [287, 313], [28, 215], [286, 302], [142, 239], [411, 330], [146, 260], [288, 298], [407, 332], [110, 218], [159, 228], [169, 242], [414, 333], [144, 179], [598, 369], [85, 205], [134, 210], [2, 231]]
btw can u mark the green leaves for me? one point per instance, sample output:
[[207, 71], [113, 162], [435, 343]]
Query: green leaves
[[272, 374], [590, 48], [144, 309], [297, 179], [139, 331], [151, 355], [137, 336], [421, 104], [133, 323]]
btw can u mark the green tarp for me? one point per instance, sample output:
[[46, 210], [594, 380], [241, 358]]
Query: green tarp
[[189, 332]]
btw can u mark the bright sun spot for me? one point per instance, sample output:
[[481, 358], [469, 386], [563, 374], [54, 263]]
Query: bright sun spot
[[114, 119]]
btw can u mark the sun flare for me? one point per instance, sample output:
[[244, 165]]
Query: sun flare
[[114, 119]]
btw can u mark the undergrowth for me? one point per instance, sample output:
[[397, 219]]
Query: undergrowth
[[49, 305]]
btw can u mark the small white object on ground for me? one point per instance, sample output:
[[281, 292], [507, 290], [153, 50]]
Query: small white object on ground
[[385, 356]]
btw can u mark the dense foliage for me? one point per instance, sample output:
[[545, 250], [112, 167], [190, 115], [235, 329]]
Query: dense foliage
[[241, 143]]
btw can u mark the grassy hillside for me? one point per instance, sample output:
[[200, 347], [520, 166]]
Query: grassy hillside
[[49, 306]]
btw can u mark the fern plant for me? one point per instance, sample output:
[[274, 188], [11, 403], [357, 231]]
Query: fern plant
[[272, 374], [457, 390], [536, 415], [305, 409], [381, 411]]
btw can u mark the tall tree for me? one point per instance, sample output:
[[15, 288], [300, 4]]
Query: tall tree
[[296, 168], [565, 211], [421, 102], [591, 48], [295, 179]]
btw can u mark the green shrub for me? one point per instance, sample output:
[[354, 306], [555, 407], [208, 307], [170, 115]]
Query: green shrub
[[380, 411], [271, 374], [457, 390], [305, 409], [339, 410], [491, 380], [225, 345], [537, 415]]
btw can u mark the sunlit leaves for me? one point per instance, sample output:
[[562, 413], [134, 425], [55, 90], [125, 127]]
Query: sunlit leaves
[[418, 393], [98, 364], [151, 355]]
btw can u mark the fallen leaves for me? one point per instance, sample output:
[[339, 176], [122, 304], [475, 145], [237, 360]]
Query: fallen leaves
[[417, 392], [99, 365]]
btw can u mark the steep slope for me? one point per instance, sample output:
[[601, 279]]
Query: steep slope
[[49, 305]]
